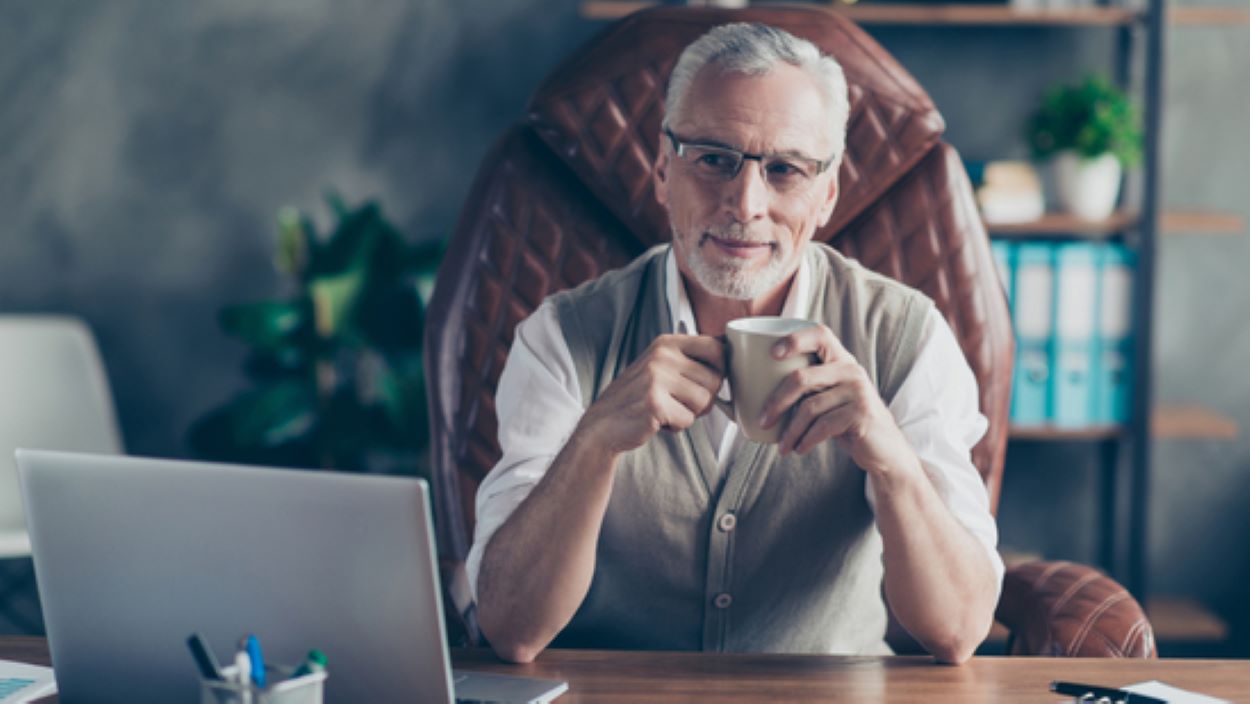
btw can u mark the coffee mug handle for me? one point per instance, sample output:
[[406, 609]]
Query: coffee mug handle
[[726, 406]]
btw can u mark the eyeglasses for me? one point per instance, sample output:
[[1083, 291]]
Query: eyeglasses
[[716, 163]]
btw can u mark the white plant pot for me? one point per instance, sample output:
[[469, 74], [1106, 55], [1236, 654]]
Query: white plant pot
[[1088, 188]]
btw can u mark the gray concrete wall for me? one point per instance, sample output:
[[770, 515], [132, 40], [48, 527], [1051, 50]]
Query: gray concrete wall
[[145, 148]]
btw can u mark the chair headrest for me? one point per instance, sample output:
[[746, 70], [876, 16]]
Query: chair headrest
[[600, 111]]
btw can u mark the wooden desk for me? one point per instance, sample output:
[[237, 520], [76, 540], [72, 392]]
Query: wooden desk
[[606, 676], [603, 676]]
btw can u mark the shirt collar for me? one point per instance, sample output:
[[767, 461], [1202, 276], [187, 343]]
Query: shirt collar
[[797, 303]]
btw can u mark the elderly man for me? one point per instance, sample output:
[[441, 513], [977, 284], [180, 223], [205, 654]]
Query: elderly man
[[628, 512]]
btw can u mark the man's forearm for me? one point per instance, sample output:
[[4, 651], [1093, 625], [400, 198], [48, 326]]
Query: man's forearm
[[537, 568], [938, 579]]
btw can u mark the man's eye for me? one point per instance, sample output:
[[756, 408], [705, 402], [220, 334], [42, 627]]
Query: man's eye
[[785, 170], [712, 160]]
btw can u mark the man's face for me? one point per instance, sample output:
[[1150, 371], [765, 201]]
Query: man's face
[[741, 238]]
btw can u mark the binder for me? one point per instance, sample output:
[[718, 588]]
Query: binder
[[1076, 306], [1004, 255], [1032, 304], [1113, 365]]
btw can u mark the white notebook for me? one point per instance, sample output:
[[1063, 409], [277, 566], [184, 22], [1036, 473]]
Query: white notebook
[[20, 682]]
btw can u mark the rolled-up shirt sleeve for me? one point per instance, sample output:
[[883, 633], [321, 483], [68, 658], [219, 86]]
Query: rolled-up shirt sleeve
[[938, 409], [538, 403]]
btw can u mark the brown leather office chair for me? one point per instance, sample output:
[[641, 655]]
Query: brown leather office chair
[[566, 195]]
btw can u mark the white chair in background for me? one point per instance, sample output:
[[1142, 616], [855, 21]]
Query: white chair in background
[[54, 395]]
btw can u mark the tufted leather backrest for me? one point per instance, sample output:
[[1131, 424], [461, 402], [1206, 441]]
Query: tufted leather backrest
[[567, 195]]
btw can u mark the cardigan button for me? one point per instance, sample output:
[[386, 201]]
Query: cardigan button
[[727, 522], [722, 601]]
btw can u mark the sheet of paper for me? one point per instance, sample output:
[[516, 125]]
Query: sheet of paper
[[1173, 695], [20, 682]]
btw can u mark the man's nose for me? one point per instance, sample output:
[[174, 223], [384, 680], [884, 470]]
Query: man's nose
[[747, 194]]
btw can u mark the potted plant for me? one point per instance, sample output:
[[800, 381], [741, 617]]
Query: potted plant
[[1090, 131], [336, 364]]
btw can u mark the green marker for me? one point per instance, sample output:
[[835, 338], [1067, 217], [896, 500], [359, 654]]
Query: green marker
[[315, 662]]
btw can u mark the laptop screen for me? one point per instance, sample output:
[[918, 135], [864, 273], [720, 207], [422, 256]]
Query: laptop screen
[[132, 555]]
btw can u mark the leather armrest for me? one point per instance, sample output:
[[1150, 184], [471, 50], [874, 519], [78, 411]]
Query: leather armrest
[[1064, 609], [459, 611]]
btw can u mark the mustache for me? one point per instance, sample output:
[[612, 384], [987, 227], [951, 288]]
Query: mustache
[[738, 232]]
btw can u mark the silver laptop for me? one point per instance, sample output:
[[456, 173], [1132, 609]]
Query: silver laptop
[[133, 555]]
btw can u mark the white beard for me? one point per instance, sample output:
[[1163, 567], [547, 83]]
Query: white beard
[[734, 279]]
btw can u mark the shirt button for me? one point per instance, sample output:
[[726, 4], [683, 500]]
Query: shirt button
[[722, 601], [727, 522]]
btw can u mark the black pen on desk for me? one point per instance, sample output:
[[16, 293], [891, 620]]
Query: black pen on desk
[[204, 658], [1095, 693]]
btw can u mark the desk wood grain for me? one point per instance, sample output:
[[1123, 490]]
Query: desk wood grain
[[605, 676], [621, 676]]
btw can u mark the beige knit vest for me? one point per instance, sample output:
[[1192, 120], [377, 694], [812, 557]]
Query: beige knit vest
[[797, 568]]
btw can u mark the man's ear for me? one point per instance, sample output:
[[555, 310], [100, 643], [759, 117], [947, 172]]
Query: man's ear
[[831, 197], [659, 175]]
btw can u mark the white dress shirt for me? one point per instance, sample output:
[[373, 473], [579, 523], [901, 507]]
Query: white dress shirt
[[539, 404]]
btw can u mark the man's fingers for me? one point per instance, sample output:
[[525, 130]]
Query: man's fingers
[[701, 374], [817, 340], [697, 357], [707, 350], [810, 411], [833, 424], [801, 383], [683, 402]]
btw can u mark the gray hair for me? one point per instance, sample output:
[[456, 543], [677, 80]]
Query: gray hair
[[754, 49]]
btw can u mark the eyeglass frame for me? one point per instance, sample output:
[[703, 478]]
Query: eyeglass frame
[[680, 145]]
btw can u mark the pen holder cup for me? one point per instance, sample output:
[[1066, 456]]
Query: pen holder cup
[[282, 689]]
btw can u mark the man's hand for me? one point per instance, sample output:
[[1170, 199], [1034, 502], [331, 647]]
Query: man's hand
[[833, 399], [537, 568], [673, 383], [938, 580]]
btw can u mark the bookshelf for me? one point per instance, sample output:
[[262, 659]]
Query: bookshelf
[[1189, 421], [968, 14], [1124, 451], [1062, 225]]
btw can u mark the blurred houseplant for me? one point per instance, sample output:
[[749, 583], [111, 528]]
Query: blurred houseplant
[[1091, 130], [336, 365]]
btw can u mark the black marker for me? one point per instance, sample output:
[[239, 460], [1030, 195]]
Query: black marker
[[204, 658], [1094, 693]]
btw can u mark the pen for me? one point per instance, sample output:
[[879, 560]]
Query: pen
[[1095, 693], [204, 658], [258, 661]]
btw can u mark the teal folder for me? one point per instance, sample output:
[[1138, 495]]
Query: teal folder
[[1113, 360], [1076, 308], [1031, 304], [1004, 256]]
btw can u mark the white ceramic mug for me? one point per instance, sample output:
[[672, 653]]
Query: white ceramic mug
[[754, 373]]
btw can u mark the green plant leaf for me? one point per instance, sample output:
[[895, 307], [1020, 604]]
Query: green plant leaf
[[352, 244], [1091, 118], [274, 415], [391, 317], [296, 243], [355, 324], [334, 297], [264, 324], [402, 396], [257, 421], [282, 361]]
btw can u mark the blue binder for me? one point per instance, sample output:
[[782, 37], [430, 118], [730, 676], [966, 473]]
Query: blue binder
[[1004, 256], [1113, 365], [1032, 303], [1076, 306]]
